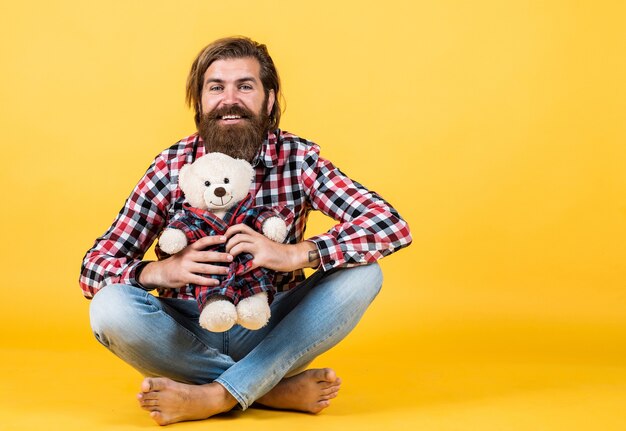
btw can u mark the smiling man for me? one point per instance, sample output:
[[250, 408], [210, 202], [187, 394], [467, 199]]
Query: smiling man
[[235, 107], [191, 373]]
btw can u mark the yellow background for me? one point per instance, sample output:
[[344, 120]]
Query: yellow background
[[497, 129]]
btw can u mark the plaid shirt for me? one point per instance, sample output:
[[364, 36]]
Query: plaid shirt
[[240, 282], [290, 175]]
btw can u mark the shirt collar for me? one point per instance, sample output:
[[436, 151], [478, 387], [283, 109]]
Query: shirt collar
[[268, 153]]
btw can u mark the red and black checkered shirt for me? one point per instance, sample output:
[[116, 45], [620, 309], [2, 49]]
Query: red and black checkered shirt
[[290, 175]]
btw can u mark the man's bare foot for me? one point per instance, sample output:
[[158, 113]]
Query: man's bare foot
[[309, 391], [169, 402]]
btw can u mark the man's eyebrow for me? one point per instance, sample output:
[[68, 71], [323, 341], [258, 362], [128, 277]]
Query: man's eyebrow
[[238, 81]]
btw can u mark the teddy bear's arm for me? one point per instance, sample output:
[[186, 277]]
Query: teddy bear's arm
[[275, 229], [172, 241]]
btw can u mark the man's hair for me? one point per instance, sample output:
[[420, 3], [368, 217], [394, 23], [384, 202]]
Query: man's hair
[[230, 48]]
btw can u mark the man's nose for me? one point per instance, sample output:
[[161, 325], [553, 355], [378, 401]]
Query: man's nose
[[230, 96]]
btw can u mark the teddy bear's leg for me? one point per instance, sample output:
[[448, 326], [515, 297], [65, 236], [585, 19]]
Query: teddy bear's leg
[[253, 312], [218, 315]]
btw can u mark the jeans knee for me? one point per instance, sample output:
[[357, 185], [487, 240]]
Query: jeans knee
[[111, 311], [357, 285], [373, 280]]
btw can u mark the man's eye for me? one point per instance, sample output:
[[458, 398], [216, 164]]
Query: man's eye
[[246, 87], [215, 88]]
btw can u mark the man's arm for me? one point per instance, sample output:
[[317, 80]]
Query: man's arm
[[368, 227], [116, 256]]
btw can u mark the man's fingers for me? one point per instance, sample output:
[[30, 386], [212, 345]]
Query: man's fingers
[[238, 228], [211, 257], [198, 253], [206, 269], [237, 241], [203, 281], [201, 273], [243, 247], [207, 241]]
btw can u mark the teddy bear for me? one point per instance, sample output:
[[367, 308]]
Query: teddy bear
[[216, 190]]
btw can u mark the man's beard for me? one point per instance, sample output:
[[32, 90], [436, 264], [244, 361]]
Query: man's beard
[[241, 141]]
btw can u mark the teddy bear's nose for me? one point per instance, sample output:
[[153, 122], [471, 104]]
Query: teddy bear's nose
[[219, 192]]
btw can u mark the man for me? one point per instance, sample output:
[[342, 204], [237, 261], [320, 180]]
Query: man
[[192, 373]]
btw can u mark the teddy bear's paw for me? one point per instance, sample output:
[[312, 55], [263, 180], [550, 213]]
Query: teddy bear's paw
[[253, 312], [172, 241], [218, 316], [275, 229]]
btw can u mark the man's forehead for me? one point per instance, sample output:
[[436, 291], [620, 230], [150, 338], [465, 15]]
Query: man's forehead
[[233, 69]]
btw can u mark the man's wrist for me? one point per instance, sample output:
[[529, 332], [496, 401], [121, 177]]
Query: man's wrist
[[142, 275], [313, 258], [308, 256]]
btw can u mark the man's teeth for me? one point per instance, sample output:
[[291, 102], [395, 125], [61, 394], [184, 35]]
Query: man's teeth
[[231, 117]]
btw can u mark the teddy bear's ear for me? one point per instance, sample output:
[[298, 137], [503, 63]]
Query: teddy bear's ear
[[182, 174], [247, 169], [192, 186]]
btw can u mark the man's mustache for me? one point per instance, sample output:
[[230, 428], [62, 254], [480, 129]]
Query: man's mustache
[[231, 110]]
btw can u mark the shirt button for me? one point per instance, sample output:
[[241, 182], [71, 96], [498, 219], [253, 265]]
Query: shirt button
[[331, 262]]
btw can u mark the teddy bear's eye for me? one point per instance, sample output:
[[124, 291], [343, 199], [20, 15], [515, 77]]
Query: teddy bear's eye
[[207, 183], [226, 181]]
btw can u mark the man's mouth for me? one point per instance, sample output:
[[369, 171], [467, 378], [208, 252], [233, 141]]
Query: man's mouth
[[233, 118]]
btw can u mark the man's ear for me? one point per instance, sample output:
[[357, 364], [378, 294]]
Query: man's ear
[[271, 98]]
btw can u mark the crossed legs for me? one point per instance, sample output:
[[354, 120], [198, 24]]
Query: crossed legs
[[193, 373]]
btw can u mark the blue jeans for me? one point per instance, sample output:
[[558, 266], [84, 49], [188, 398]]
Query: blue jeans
[[162, 337]]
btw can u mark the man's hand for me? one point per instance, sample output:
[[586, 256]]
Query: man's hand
[[267, 253], [191, 265]]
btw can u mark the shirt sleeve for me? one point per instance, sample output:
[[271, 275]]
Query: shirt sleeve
[[116, 256], [368, 229]]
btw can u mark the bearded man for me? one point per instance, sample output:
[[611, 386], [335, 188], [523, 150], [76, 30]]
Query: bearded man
[[191, 373]]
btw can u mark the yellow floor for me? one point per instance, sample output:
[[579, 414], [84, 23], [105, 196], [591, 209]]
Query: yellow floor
[[486, 375]]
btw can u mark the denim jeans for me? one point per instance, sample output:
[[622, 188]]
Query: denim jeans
[[162, 337]]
